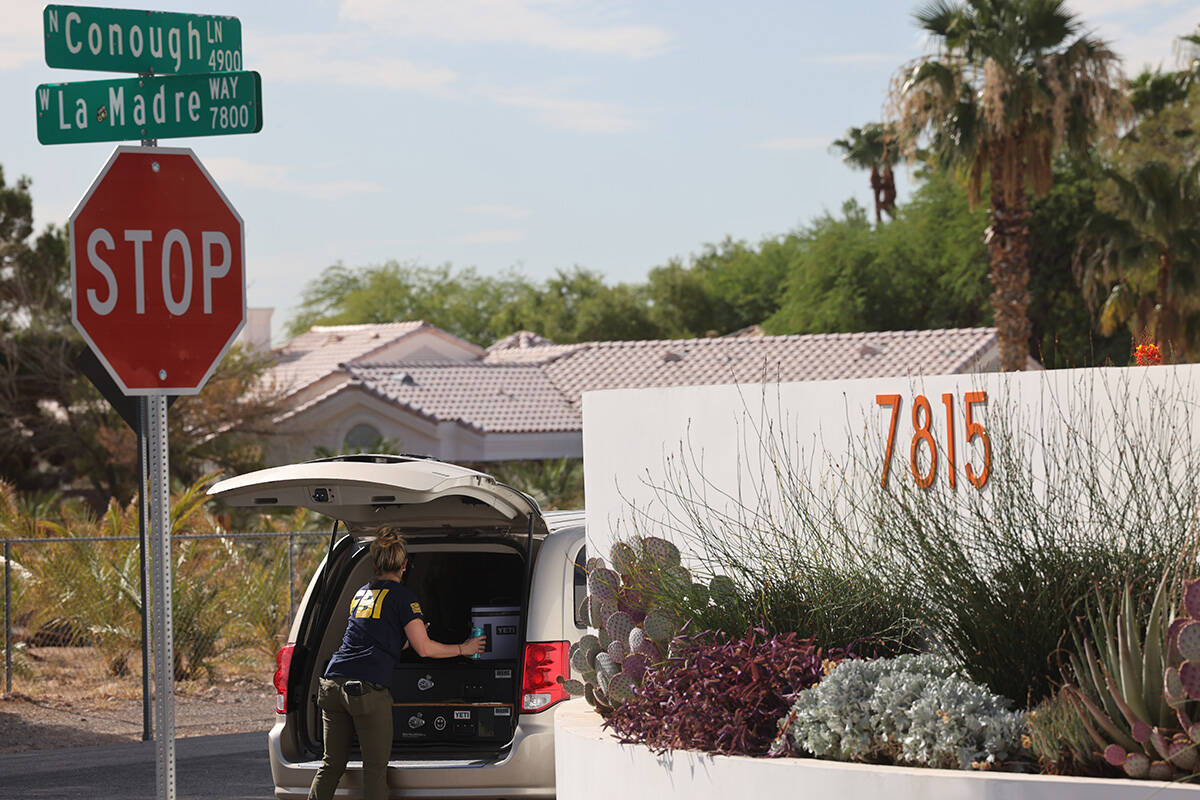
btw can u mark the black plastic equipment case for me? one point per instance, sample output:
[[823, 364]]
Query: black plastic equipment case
[[439, 682], [452, 722]]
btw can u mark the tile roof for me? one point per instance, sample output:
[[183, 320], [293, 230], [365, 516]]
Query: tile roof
[[529, 385], [493, 398], [752, 359], [318, 352]]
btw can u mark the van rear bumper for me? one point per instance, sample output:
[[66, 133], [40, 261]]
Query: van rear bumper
[[526, 771]]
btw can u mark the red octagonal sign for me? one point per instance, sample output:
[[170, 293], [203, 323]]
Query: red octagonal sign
[[159, 287]]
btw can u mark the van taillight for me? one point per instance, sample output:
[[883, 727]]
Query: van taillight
[[283, 665], [545, 664]]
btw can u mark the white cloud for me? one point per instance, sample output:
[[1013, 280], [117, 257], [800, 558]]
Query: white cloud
[[541, 23], [498, 210], [496, 236], [342, 60], [583, 116], [795, 143], [279, 178], [20, 33], [1151, 47]]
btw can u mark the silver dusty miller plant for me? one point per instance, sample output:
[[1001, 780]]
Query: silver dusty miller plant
[[914, 709]]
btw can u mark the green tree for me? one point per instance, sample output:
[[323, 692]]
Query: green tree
[[727, 287], [1138, 259], [923, 270], [1063, 323], [874, 147], [462, 302], [1146, 253], [1009, 84], [1151, 92], [577, 306]]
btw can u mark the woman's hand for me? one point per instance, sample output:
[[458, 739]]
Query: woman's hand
[[472, 646], [428, 648]]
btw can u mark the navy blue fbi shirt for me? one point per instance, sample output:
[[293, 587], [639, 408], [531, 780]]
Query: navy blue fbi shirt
[[375, 633]]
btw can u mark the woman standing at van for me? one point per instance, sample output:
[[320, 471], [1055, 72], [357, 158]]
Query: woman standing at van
[[385, 617]]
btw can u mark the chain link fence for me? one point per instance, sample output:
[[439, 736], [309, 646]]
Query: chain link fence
[[73, 611]]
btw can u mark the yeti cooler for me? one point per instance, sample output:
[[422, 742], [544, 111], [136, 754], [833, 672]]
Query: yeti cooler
[[500, 625]]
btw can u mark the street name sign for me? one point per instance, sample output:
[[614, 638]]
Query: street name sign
[[157, 275], [152, 107], [125, 40]]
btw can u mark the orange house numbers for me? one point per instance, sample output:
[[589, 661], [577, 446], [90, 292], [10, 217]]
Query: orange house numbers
[[923, 440]]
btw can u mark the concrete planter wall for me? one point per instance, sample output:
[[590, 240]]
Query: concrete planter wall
[[590, 764]]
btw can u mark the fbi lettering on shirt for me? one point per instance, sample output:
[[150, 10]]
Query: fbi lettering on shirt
[[368, 603]]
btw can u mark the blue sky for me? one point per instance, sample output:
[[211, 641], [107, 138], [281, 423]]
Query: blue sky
[[537, 134]]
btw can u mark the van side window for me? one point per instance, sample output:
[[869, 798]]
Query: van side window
[[580, 585]]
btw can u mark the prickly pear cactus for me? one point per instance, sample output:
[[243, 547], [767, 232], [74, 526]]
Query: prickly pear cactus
[[661, 626], [721, 589], [659, 554], [631, 635], [625, 558]]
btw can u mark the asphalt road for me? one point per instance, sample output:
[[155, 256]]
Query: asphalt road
[[232, 767]]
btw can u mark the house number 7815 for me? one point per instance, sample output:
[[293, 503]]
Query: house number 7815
[[922, 438]]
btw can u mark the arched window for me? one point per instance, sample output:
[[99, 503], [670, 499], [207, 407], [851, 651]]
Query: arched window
[[362, 437]]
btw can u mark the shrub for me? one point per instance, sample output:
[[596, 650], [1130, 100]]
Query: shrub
[[797, 561], [89, 591], [1058, 739], [914, 709], [719, 695]]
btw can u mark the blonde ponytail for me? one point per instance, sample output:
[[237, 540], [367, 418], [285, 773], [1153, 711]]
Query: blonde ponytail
[[388, 551]]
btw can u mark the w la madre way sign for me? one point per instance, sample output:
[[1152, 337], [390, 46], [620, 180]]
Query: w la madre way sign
[[157, 270]]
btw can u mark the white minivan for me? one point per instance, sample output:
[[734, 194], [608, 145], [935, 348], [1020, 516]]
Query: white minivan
[[480, 554]]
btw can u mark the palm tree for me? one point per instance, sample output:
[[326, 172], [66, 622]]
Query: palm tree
[[1010, 83], [874, 147], [1146, 255]]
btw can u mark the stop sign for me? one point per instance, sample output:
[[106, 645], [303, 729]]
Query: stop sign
[[158, 283]]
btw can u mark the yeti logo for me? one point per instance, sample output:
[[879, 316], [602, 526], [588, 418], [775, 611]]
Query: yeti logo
[[426, 683], [416, 721]]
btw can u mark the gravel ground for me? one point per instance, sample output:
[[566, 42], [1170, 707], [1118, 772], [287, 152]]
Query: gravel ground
[[40, 723]]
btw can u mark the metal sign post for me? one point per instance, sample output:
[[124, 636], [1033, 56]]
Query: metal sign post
[[164, 645], [143, 421], [192, 86]]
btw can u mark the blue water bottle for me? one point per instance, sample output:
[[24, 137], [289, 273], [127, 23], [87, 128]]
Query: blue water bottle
[[475, 631]]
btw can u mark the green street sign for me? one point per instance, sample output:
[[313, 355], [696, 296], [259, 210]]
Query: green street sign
[[154, 107], [124, 40]]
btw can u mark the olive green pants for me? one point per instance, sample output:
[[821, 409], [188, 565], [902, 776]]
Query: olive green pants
[[342, 714]]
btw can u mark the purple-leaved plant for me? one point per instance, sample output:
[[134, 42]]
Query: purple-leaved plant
[[720, 695]]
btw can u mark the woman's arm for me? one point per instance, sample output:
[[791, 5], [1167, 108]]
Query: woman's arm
[[428, 648]]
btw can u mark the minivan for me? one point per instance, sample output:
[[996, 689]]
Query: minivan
[[480, 554]]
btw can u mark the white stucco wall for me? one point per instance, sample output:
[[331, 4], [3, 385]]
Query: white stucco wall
[[635, 440], [589, 763]]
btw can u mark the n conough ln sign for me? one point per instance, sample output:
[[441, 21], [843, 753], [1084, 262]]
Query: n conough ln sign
[[125, 40], [157, 272]]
